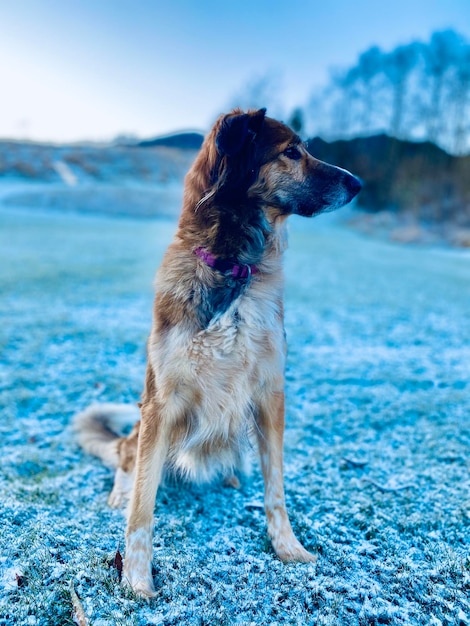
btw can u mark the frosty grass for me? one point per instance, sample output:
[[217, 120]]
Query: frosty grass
[[376, 451]]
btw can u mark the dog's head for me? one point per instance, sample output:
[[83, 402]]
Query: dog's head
[[254, 158], [250, 172]]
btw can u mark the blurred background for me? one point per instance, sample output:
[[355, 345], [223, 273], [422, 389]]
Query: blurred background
[[96, 92]]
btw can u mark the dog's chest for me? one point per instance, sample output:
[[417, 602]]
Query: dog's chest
[[218, 376], [248, 338]]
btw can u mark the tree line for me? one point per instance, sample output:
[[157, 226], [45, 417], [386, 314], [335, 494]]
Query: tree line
[[419, 92]]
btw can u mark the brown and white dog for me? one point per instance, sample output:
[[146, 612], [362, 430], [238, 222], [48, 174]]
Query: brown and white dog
[[216, 352]]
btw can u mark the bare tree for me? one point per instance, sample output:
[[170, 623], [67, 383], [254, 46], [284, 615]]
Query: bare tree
[[398, 67], [460, 140], [416, 91], [440, 56], [296, 120], [369, 74]]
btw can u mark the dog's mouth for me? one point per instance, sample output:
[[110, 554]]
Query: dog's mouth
[[332, 189], [341, 195]]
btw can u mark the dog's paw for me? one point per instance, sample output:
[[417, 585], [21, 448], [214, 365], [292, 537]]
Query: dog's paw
[[122, 489], [144, 588], [137, 572], [293, 552], [118, 499]]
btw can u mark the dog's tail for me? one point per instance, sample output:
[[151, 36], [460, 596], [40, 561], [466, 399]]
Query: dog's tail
[[97, 429]]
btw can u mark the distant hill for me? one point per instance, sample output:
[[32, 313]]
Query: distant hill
[[109, 179], [109, 164], [419, 179], [409, 183], [183, 141]]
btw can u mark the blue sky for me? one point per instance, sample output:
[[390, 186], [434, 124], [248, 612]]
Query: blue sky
[[77, 69]]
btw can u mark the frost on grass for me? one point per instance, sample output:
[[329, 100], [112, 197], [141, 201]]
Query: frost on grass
[[377, 439]]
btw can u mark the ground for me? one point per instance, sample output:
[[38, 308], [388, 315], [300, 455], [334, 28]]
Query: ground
[[377, 438]]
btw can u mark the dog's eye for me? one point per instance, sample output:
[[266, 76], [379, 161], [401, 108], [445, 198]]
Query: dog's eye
[[292, 152]]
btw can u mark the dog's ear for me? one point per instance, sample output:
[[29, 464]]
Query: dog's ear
[[235, 129], [257, 120]]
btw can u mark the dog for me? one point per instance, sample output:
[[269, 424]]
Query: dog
[[217, 347]]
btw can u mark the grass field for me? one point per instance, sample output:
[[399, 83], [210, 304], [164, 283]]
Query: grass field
[[377, 440]]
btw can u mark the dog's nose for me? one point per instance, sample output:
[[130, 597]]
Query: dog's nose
[[354, 185]]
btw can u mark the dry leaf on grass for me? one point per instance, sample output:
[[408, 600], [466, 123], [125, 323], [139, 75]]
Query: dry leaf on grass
[[78, 614]]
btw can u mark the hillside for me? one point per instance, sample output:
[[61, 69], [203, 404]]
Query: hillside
[[122, 180], [420, 190], [412, 191], [35, 162], [183, 141]]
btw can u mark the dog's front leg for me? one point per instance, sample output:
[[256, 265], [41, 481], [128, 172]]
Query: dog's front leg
[[270, 439], [151, 453]]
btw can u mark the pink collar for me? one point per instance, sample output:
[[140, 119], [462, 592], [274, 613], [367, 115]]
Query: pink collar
[[237, 270]]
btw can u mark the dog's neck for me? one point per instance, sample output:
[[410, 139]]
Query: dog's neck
[[233, 267], [228, 267]]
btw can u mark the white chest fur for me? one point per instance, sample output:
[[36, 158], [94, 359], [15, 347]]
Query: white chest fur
[[209, 383]]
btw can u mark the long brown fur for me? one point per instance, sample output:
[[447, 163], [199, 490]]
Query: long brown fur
[[216, 351]]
